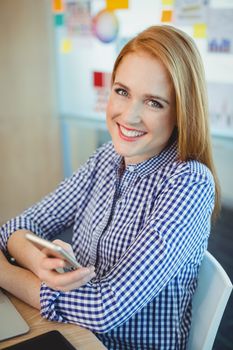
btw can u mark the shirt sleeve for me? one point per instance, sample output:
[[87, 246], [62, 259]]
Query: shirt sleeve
[[57, 210], [177, 227]]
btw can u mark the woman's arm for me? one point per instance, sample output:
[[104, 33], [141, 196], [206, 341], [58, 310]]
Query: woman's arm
[[20, 282], [25, 284], [25, 254]]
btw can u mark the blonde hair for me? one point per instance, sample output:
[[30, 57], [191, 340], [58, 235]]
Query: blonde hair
[[180, 56]]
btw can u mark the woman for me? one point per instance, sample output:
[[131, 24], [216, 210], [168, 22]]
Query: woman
[[140, 207]]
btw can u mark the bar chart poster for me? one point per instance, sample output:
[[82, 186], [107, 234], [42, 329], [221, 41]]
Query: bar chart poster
[[221, 108]]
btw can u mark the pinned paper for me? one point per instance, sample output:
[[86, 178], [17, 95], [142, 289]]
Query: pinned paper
[[98, 79], [101, 79], [78, 18], [166, 16], [102, 84], [199, 30], [117, 4], [167, 2], [58, 6], [219, 31], [59, 20], [66, 46]]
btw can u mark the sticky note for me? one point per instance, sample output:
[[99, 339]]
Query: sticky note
[[59, 20], [166, 16], [167, 2], [58, 6], [199, 30], [66, 46], [117, 4], [98, 79]]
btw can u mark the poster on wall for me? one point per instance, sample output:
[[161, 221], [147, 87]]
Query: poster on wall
[[220, 31], [221, 108], [90, 33], [78, 18], [189, 12]]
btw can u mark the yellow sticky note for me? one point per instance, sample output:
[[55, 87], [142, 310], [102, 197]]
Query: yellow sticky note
[[166, 16], [167, 2], [199, 30], [117, 4], [66, 46]]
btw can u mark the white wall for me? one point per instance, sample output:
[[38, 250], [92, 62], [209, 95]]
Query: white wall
[[223, 157]]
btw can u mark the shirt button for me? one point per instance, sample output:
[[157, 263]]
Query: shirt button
[[130, 168]]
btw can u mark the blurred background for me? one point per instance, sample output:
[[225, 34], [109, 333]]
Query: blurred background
[[55, 67]]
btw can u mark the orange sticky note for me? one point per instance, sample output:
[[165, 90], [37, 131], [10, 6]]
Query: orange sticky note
[[58, 6], [166, 16], [199, 30], [117, 4], [66, 46]]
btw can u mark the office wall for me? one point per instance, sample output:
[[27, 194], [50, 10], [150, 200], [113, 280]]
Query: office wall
[[30, 154], [223, 157], [80, 55]]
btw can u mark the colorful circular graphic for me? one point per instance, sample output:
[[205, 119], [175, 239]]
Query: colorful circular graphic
[[105, 26]]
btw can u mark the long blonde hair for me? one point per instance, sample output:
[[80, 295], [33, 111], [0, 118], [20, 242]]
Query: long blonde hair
[[180, 56]]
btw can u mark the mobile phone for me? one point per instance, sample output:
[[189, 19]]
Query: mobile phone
[[53, 250]]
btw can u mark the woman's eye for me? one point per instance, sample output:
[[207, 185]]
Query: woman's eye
[[121, 92], [154, 104]]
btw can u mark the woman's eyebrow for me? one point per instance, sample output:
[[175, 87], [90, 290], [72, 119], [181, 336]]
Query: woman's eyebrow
[[121, 85]]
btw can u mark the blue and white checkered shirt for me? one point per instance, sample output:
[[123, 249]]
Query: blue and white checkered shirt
[[145, 231]]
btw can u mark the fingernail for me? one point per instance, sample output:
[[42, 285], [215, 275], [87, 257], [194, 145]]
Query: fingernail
[[61, 263], [91, 268]]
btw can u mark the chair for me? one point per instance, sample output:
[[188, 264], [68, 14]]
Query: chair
[[209, 302]]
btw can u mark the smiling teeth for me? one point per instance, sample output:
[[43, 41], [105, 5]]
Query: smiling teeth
[[131, 133]]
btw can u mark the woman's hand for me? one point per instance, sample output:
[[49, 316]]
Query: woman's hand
[[63, 281]]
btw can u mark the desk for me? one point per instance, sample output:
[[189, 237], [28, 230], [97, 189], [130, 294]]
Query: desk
[[79, 337]]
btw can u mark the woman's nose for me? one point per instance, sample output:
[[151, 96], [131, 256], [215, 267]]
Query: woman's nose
[[132, 113]]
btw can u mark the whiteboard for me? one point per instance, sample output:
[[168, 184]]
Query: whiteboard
[[87, 55]]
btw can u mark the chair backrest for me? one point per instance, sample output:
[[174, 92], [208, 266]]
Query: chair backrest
[[209, 302]]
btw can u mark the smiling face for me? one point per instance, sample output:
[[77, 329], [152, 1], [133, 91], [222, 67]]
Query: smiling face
[[141, 108]]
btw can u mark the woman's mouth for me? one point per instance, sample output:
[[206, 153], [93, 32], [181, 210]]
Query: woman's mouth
[[129, 134]]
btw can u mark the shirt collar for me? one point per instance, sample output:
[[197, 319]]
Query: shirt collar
[[167, 155]]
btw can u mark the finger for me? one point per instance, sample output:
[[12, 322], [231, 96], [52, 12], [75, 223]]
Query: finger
[[65, 246], [74, 278], [52, 263], [75, 285], [62, 244]]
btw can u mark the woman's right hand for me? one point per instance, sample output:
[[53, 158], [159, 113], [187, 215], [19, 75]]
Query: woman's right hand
[[63, 281]]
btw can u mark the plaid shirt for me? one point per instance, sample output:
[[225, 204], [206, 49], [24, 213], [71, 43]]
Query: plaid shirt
[[145, 230]]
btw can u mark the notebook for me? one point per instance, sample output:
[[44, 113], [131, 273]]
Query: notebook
[[11, 322], [46, 341]]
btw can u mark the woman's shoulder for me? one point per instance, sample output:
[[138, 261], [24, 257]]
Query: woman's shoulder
[[102, 157], [103, 153], [192, 169]]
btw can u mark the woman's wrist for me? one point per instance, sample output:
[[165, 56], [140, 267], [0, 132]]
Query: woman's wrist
[[23, 252], [5, 269]]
